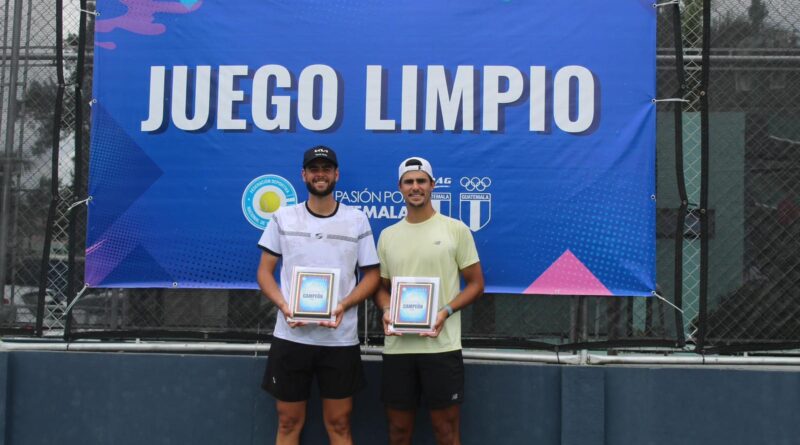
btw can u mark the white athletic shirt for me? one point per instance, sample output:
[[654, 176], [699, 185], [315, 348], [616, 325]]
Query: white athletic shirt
[[342, 240]]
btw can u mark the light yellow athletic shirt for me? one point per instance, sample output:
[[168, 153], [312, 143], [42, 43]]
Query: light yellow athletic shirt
[[437, 247]]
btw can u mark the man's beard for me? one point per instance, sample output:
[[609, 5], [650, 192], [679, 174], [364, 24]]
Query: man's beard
[[327, 191]]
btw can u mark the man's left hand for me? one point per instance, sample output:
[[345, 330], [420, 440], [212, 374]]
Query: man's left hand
[[338, 312], [437, 328]]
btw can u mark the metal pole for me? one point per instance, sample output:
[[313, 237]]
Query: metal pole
[[4, 58], [573, 319], [54, 195], [583, 310], [704, 178], [15, 221], [77, 167], [9, 147], [583, 316]]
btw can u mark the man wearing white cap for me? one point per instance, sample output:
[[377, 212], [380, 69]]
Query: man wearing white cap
[[426, 244]]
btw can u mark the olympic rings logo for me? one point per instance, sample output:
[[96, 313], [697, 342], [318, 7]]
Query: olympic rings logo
[[475, 184]]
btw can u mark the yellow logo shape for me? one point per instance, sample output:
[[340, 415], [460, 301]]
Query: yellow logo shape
[[269, 202]]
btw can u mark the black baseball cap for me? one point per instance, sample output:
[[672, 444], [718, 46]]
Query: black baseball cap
[[320, 152]]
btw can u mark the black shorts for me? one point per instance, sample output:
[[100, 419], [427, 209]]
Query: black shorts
[[291, 366], [438, 377]]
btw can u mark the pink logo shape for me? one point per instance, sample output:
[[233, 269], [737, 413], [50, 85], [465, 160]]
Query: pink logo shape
[[140, 17], [567, 276]]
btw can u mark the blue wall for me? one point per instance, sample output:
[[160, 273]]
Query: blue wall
[[86, 398]]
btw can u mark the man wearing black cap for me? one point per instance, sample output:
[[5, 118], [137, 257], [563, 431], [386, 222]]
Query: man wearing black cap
[[319, 233]]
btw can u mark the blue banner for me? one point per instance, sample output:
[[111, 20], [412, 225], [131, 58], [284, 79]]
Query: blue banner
[[536, 115]]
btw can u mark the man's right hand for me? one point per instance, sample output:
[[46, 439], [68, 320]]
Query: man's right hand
[[387, 320], [287, 313]]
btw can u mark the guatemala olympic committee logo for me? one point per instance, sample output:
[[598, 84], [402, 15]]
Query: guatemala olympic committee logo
[[264, 196], [475, 202], [475, 206]]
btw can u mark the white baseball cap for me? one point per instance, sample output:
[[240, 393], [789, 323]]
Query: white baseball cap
[[413, 164]]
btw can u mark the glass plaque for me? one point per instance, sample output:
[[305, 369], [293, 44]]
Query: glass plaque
[[414, 304], [314, 294]]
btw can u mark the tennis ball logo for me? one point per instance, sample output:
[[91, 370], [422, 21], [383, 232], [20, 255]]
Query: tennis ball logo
[[269, 202], [263, 196]]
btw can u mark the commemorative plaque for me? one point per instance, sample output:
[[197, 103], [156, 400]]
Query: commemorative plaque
[[314, 294], [414, 304]]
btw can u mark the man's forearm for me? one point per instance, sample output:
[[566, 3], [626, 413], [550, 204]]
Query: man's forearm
[[382, 297], [467, 296], [269, 287], [473, 276]]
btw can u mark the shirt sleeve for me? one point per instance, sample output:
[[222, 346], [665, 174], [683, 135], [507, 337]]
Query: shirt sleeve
[[466, 252], [382, 257], [367, 255], [270, 239]]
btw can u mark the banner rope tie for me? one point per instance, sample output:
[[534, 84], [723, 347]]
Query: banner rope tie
[[670, 2], [94, 13], [655, 294], [75, 300], [77, 203], [690, 337], [674, 99]]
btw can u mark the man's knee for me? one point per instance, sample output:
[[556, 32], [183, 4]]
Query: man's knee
[[290, 422], [338, 424], [400, 432], [445, 432], [445, 425], [401, 426]]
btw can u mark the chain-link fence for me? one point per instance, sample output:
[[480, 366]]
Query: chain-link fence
[[727, 230], [29, 79], [754, 180]]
